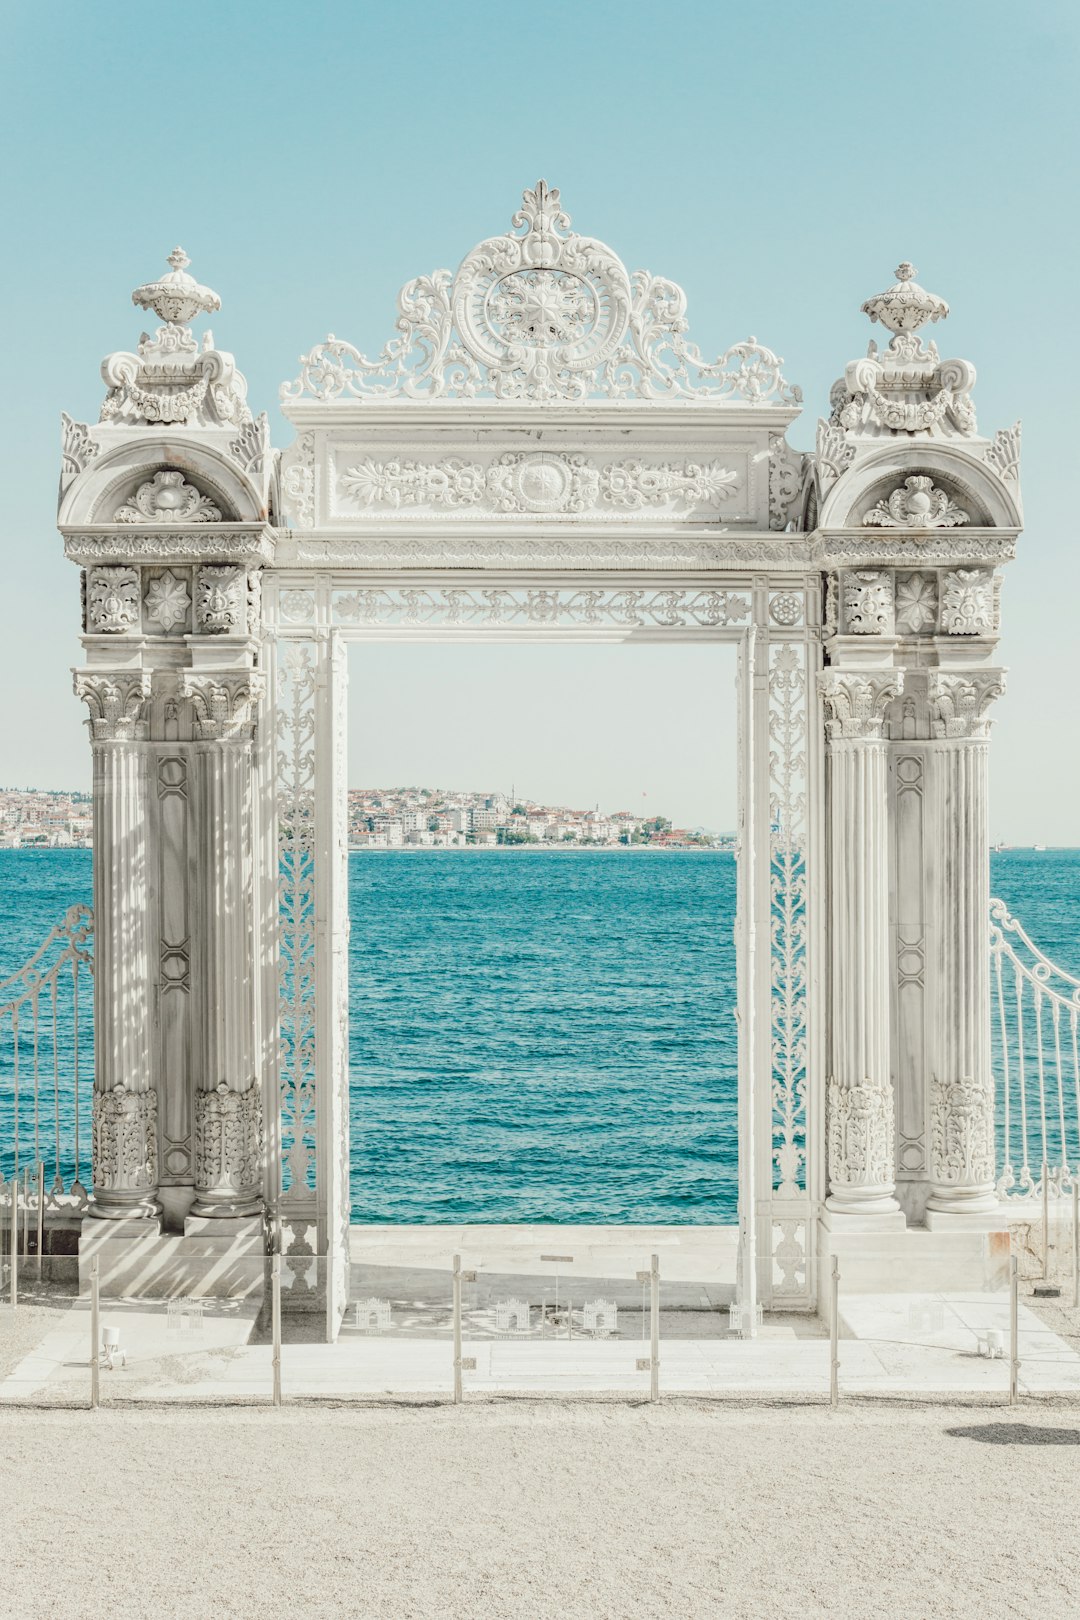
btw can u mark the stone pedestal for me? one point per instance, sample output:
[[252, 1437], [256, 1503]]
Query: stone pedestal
[[860, 1122]]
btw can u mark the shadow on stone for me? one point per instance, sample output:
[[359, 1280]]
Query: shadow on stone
[[1016, 1434]]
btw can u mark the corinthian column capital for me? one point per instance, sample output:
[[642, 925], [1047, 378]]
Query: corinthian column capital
[[224, 701], [116, 700], [960, 700], [856, 700]]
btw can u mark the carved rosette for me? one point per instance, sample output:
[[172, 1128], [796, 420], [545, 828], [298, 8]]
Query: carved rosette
[[960, 701], [860, 1135], [962, 1139], [125, 1153], [117, 702], [112, 601], [224, 702], [856, 700], [228, 1150]]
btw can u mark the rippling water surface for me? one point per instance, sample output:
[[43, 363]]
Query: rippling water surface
[[536, 1035]]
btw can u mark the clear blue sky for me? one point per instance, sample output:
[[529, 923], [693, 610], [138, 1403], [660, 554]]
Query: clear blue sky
[[778, 160]]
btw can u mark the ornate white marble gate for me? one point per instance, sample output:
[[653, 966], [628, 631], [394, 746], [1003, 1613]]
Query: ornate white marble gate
[[540, 453]]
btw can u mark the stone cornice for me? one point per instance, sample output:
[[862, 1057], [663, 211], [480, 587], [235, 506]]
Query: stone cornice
[[92, 543], [570, 551], [857, 548]]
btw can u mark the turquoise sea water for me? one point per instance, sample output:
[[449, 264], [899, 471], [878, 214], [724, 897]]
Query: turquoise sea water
[[535, 1035]]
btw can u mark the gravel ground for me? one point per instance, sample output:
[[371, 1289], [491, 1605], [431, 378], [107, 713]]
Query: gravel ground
[[536, 1509]]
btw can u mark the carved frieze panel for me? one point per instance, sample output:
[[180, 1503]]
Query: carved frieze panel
[[968, 606], [555, 485], [916, 603]]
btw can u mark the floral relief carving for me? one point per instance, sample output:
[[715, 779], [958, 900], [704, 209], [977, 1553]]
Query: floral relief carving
[[116, 701], [224, 702], [174, 547], [78, 449], [868, 603], [539, 483], [1004, 454], [786, 467], [967, 603], [221, 606], [251, 447], [125, 1149], [834, 454], [497, 606], [916, 603], [960, 701], [168, 498], [228, 1139], [917, 504], [856, 701], [962, 1133], [167, 602], [543, 314], [298, 481], [860, 1133], [112, 601]]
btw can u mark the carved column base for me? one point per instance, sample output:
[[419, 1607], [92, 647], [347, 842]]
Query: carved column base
[[125, 1154], [962, 1148], [860, 1122], [228, 1152]]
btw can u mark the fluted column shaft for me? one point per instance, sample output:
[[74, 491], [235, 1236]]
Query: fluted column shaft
[[125, 1149], [860, 1096], [961, 1099], [228, 1097]]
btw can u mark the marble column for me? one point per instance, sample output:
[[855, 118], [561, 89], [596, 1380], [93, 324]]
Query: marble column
[[228, 1095], [125, 1147], [961, 1087], [860, 1111]]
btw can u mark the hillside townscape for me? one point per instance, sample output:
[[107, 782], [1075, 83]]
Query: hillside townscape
[[393, 818]]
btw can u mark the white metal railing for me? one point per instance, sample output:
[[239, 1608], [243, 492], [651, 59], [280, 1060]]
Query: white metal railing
[[1036, 1058], [46, 1064]]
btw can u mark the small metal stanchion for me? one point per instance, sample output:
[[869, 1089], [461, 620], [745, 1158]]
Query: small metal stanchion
[[40, 1218], [1076, 1240], [27, 1173], [834, 1334], [467, 1363], [13, 1254], [95, 1335], [1014, 1331], [654, 1327], [1046, 1219], [275, 1322]]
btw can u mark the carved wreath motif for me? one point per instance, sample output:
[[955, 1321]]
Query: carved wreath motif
[[917, 504], [168, 498]]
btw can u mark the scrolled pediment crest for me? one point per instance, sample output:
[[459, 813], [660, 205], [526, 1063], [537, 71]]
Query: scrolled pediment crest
[[542, 314], [167, 497], [917, 503]]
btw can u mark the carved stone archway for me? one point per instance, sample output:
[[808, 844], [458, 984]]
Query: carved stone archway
[[540, 453]]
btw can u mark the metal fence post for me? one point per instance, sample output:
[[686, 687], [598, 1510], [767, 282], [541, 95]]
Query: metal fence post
[[1014, 1331], [14, 1255], [654, 1327], [1046, 1219], [95, 1336], [1076, 1241], [275, 1323], [834, 1334], [457, 1330], [40, 1218]]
